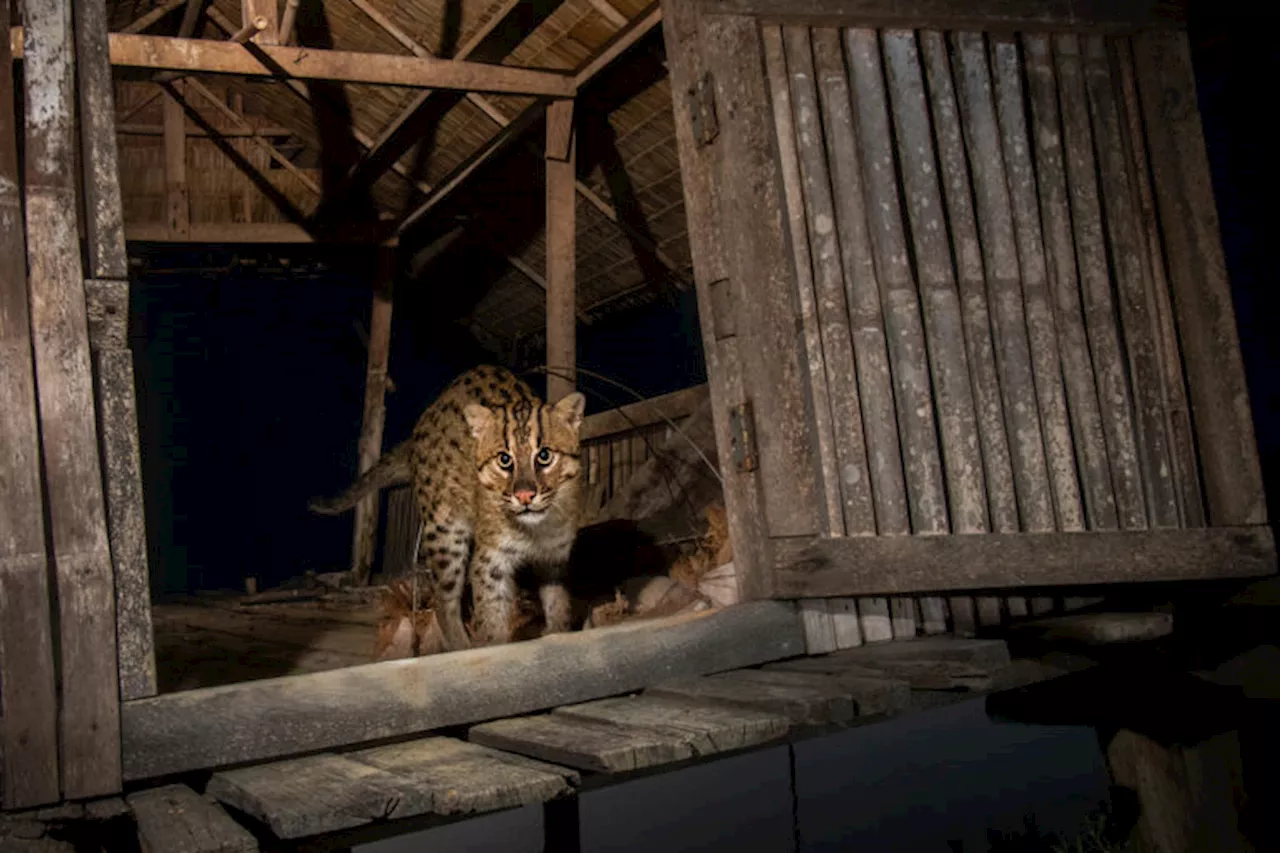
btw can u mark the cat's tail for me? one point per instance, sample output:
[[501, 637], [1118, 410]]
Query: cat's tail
[[390, 470]]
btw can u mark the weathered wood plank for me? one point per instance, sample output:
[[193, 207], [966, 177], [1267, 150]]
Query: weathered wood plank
[[819, 630], [561, 206], [744, 503], [89, 745], [207, 728], [107, 297], [1046, 365], [1077, 365], [175, 819], [644, 413], [1095, 285], [369, 446], [794, 194], [305, 63], [1201, 290], [319, 793], [29, 744], [1186, 469], [707, 729], [1031, 15], [802, 704], [828, 567], [1097, 629], [1128, 244], [1000, 257], [466, 777], [871, 693], [599, 747], [177, 200], [761, 274]]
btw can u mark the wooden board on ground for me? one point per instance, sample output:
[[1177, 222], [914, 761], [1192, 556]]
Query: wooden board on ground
[[175, 819], [584, 744], [706, 728], [871, 691], [466, 777], [1097, 629], [317, 794], [804, 704], [939, 663], [223, 725]]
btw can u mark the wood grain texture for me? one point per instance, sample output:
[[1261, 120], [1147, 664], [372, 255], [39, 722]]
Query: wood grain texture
[[217, 726], [598, 747], [870, 693], [706, 728], [809, 703], [822, 567], [175, 819], [369, 446], [644, 413], [28, 727], [1057, 15], [89, 714], [177, 198], [1198, 274], [561, 256], [752, 217]]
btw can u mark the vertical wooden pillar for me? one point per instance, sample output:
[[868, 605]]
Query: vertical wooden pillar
[[89, 717], [364, 539], [28, 727], [107, 298], [177, 202], [1198, 274], [561, 230], [251, 10]]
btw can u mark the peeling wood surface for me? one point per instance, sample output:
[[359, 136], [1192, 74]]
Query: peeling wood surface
[[221, 725], [90, 711], [175, 819], [28, 728]]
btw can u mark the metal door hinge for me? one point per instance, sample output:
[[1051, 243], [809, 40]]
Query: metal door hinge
[[702, 111], [742, 437]]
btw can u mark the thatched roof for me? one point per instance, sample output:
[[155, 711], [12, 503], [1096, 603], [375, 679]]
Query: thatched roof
[[626, 148]]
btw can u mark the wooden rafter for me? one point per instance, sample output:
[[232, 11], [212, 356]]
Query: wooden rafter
[[162, 53], [624, 39], [145, 21]]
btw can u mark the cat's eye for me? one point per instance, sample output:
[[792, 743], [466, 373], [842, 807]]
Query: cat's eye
[[505, 461], [543, 457]]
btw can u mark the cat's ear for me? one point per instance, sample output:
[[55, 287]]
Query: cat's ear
[[571, 408], [478, 418]]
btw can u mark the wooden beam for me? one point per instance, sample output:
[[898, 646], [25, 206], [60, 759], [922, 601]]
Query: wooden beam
[[608, 12], [145, 21], [644, 413], [260, 11], [1118, 16], [614, 48], [369, 448], [267, 132], [289, 21], [89, 714], [247, 232], [891, 565], [277, 717], [162, 53], [107, 305], [561, 231], [272, 151], [177, 200], [28, 690]]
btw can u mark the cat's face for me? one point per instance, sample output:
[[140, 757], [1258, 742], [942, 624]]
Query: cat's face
[[527, 455]]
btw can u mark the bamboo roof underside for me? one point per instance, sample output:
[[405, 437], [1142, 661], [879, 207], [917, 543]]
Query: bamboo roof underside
[[615, 270]]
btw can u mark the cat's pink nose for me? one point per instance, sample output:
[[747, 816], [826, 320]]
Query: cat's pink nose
[[525, 496]]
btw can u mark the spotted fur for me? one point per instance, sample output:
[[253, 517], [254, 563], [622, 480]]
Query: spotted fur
[[496, 473]]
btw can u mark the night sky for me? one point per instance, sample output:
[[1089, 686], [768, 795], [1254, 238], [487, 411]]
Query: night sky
[[251, 378]]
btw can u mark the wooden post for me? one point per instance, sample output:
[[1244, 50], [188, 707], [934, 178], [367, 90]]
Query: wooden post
[[1198, 273], [255, 11], [90, 702], [107, 298], [177, 202], [364, 539], [561, 233], [28, 728]]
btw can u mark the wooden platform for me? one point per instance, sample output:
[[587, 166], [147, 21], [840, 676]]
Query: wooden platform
[[546, 757]]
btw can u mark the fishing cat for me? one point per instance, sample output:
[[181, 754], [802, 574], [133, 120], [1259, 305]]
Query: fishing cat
[[497, 478]]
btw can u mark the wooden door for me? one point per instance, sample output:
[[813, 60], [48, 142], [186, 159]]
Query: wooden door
[[963, 296]]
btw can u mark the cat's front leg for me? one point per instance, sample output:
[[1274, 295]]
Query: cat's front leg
[[557, 608], [493, 589]]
